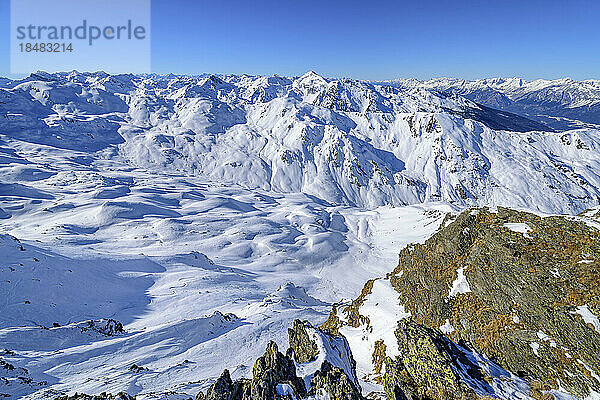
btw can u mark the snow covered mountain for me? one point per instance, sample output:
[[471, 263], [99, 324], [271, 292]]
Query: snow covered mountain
[[344, 141], [156, 230], [561, 104]]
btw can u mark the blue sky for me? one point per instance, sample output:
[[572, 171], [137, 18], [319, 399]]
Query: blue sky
[[371, 39]]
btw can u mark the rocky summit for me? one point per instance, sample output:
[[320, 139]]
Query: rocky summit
[[493, 300]]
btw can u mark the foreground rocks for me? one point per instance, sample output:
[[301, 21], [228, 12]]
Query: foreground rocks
[[334, 381], [305, 350], [270, 373], [274, 375], [427, 367], [508, 288]]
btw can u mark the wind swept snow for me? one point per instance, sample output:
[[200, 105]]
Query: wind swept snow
[[207, 213], [460, 284]]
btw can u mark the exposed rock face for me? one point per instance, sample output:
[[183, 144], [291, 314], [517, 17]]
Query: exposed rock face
[[526, 279], [426, 368], [225, 389], [489, 292], [305, 350], [335, 382], [519, 289], [108, 327], [271, 369]]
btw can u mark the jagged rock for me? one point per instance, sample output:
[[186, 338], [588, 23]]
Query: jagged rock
[[101, 396], [225, 389], [521, 289], [335, 382], [305, 350], [271, 369], [424, 369], [319, 345]]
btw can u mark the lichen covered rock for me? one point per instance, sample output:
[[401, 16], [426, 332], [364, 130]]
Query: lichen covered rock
[[270, 370], [335, 382], [426, 367], [519, 289], [305, 350]]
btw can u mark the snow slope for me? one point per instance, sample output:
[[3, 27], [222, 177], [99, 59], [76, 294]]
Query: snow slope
[[206, 213]]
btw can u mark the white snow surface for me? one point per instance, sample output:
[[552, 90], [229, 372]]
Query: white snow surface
[[447, 327], [335, 350], [460, 284], [206, 213], [588, 317], [519, 227]]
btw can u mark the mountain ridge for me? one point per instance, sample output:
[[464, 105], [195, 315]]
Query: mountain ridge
[[346, 141]]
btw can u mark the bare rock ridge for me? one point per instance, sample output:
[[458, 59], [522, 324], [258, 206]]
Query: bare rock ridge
[[508, 290]]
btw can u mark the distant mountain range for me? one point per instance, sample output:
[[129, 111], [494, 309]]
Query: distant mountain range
[[561, 104], [344, 141]]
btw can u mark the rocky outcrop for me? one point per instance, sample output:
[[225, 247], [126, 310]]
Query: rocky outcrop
[[274, 375], [225, 389], [270, 370], [335, 382], [426, 367], [305, 350], [107, 327], [519, 290]]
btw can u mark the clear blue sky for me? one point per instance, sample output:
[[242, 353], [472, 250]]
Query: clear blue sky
[[371, 39]]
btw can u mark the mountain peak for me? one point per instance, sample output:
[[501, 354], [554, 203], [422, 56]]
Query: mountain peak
[[312, 76]]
